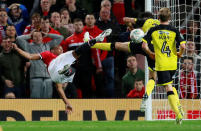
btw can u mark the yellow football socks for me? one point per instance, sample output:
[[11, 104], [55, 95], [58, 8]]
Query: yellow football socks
[[102, 46], [176, 95], [150, 86], [173, 103]]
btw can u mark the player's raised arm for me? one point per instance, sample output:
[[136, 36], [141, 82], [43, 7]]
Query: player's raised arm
[[26, 54], [129, 20], [181, 42], [181, 50], [56, 39]]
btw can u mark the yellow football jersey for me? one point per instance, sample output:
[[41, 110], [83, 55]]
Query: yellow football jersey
[[165, 39], [149, 23]]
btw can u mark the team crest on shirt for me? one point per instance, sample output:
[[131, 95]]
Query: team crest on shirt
[[163, 32], [163, 35], [64, 70]]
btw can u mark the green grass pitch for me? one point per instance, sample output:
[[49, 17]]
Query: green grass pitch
[[102, 126]]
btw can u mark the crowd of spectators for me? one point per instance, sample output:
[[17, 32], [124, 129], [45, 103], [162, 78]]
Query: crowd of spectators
[[100, 74]]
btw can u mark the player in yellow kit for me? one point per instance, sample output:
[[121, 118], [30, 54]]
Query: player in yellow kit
[[145, 23], [165, 40], [136, 48]]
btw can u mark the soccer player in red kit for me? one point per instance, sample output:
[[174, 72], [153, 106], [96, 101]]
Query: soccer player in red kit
[[59, 64]]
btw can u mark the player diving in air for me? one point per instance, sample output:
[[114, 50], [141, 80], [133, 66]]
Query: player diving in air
[[59, 63]]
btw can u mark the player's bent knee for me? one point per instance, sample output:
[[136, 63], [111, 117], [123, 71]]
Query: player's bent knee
[[152, 75]]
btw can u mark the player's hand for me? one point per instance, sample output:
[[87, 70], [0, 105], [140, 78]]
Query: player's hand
[[152, 56], [44, 34], [31, 33], [99, 70], [69, 108], [57, 24], [145, 48], [14, 46], [127, 19], [13, 5], [179, 55], [9, 83]]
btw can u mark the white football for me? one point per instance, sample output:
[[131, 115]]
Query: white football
[[136, 35]]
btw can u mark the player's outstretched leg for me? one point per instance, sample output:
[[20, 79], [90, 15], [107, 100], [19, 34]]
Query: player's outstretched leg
[[104, 34], [87, 45], [86, 37]]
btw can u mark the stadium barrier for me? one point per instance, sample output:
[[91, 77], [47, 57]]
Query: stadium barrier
[[84, 110]]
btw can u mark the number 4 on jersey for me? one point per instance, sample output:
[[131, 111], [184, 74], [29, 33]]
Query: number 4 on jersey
[[165, 49]]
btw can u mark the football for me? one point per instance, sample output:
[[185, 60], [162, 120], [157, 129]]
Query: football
[[136, 35]]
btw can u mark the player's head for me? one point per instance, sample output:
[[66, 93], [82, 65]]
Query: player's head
[[11, 31], [187, 65], [37, 37], [55, 17], [57, 50], [3, 16], [45, 5], [146, 15], [104, 14], [45, 24], [78, 25], [7, 44], [164, 14], [36, 19], [90, 20], [131, 62], [138, 84], [106, 3], [65, 14], [193, 27], [190, 46], [15, 11]]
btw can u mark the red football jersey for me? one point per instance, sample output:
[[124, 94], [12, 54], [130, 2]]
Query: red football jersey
[[47, 57], [136, 94]]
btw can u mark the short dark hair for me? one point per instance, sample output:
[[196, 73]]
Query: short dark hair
[[146, 15], [131, 55], [188, 58], [139, 79], [55, 12], [63, 9], [77, 20], [54, 47], [45, 18], [35, 15], [34, 32]]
